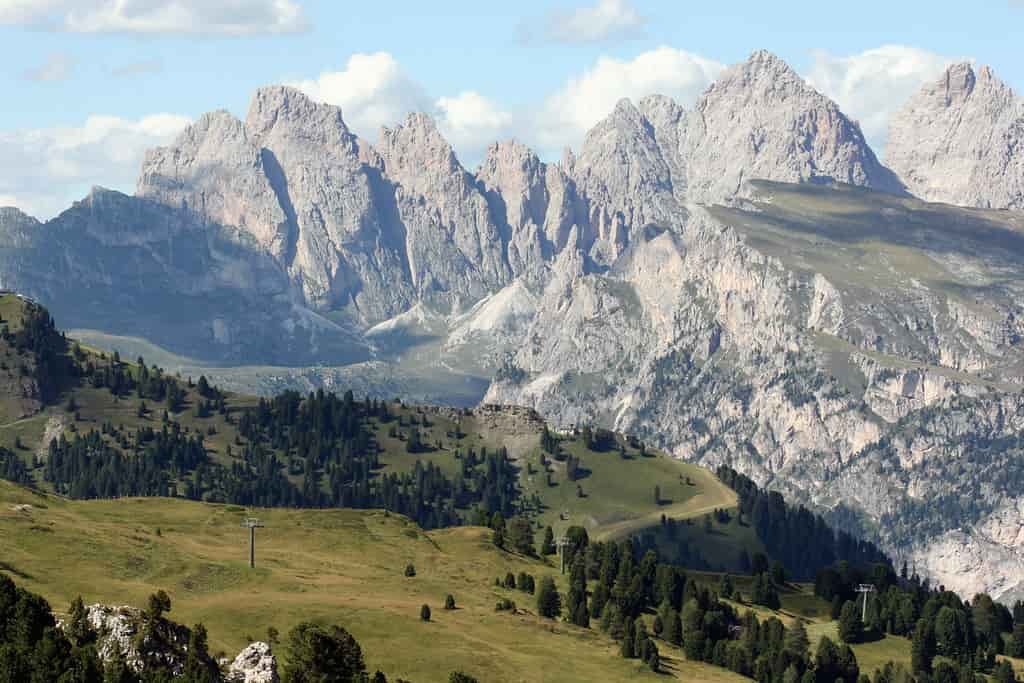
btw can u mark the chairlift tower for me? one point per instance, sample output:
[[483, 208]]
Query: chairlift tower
[[865, 588], [252, 524], [562, 544]]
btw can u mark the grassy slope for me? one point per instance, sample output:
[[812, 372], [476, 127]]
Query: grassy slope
[[341, 566]]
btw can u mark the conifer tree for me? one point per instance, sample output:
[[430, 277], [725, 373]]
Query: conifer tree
[[628, 639], [922, 647], [549, 602], [850, 625], [576, 600], [797, 641], [547, 546]]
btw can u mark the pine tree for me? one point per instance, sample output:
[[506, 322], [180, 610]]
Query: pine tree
[[850, 625], [796, 640], [425, 613], [628, 635], [520, 536], [673, 632], [549, 602], [922, 647], [725, 588], [449, 602], [78, 623], [547, 546], [576, 600], [1016, 648], [498, 524], [1003, 673]]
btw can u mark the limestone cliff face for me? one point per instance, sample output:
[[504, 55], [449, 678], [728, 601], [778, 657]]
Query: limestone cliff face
[[456, 250], [625, 181], [537, 202], [215, 171], [960, 140]]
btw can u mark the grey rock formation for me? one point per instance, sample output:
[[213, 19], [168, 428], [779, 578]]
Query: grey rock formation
[[625, 181], [254, 664], [455, 249], [536, 201], [960, 140], [117, 635]]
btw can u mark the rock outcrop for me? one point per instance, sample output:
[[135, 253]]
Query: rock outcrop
[[117, 631], [960, 140], [255, 664]]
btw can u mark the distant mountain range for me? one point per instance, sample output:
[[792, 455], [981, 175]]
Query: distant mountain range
[[744, 283]]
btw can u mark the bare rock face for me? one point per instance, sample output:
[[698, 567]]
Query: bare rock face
[[344, 247], [455, 248], [624, 180], [706, 279], [960, 141], [535, 200], [643, 164], [255, 664], [215, 171]]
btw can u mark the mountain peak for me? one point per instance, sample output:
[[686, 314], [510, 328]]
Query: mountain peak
[[958, 82], [417, 146], [765, 60], [960, 140], [762, 76], [284, 104]]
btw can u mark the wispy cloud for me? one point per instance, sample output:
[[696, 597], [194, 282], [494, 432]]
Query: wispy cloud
[[571, 111], [143, 68], [197, 17], [43, 170], [372, 90], [608, 20], [57, 67]]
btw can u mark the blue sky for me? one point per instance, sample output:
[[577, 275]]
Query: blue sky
[[92, 83]]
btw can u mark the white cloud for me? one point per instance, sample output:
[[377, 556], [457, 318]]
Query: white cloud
[[44, 170], [874, 84], [606, 21], [372, 91], [569, 113], [470, 122], [211, 17], [57, 67]]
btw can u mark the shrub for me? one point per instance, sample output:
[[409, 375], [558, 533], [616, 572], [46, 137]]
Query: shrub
[[410, 570], [425, 613], [449, 602]]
